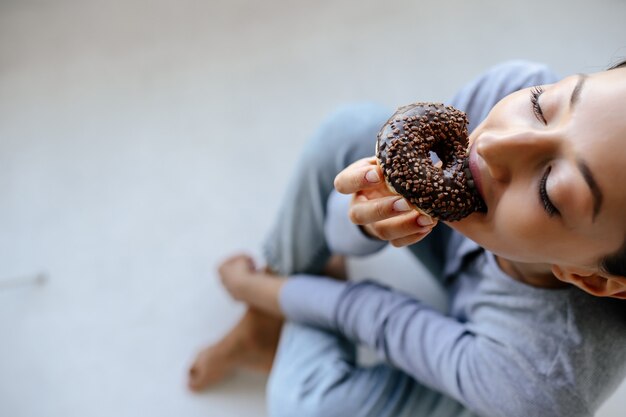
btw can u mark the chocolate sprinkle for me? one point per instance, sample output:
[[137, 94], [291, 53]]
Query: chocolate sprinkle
[[404, 147]]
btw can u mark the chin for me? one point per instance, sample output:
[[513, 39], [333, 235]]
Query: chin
[[476, 228], [471, 226]]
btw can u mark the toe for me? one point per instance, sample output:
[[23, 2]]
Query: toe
[[194, 379], [208, 369], [197, 374]]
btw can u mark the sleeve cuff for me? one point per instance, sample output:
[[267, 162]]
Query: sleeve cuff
[[311, 300], [342, 236]]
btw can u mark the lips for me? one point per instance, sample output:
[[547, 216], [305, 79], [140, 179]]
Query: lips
[[472, 171]]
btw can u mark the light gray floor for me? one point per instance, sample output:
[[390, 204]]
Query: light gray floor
[[142, 141]]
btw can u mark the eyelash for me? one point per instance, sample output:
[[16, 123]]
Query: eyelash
[[543, 195], [535, 92], [552, 211]]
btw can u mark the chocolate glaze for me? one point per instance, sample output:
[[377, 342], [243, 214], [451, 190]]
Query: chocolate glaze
[[403, 148]]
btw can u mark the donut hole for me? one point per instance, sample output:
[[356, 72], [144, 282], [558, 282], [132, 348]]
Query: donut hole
[[435, 160]]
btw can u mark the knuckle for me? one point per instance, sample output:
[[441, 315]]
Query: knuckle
[[372, 232], [344, 182], [416, 239], [357, 183], [382, 232], [354, 215], [381, 212], [411, 225], [342, 187], [396, 243], [338, 184]]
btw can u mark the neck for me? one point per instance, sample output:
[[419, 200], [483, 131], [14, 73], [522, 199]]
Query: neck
[[535, 275]]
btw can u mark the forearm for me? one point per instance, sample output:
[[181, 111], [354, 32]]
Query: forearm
[[262, 292], [403, 331]]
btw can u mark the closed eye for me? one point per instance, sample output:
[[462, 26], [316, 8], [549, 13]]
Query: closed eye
[[545, 198], [535, 92]]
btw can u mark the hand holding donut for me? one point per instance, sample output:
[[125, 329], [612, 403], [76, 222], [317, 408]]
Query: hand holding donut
[[381, 213], [397, 192]]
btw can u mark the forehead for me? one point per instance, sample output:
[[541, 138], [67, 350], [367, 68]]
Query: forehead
[[598, 121], [608, 85], [598, 134]]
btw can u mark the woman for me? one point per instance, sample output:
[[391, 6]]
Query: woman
[[520, 338]]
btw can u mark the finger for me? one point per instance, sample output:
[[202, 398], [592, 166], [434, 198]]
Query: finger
[[366, 211], [426, 220], [410, 240], [400, 227], [361, 175]]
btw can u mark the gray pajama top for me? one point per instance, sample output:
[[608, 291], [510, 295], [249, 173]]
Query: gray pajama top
[[503, 349]]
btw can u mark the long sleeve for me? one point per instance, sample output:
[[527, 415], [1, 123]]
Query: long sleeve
[[342, 236], [478, 368], [505, 349]]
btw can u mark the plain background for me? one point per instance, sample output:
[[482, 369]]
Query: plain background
[[143, 141]]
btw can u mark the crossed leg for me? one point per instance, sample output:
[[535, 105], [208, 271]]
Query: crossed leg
[[251, 344]]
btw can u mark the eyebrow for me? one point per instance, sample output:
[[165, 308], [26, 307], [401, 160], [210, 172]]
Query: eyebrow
[[576, 91], [582, 165], [593, 186]]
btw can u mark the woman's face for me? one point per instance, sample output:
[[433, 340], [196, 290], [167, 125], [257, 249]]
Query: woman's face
[[550, 163]]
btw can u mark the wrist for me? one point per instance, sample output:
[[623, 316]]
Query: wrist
[[264, 293]]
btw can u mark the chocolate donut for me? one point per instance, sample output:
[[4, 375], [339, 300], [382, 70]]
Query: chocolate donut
[[405, 143]]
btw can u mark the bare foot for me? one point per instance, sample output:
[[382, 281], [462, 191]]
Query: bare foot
[[237, 273], [251, 344]]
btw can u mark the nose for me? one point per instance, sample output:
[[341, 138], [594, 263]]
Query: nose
[[505, 152]]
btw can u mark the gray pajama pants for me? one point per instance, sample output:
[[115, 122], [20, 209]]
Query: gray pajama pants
[[315, 372]]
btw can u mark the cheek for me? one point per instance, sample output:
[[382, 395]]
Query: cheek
[[517, 229], [521, 230]]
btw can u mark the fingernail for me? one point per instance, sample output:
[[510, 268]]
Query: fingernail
[[401, 205], [425, 221], [372, 176]]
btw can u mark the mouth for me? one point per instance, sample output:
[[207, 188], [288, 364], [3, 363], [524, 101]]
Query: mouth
[[475, 178]]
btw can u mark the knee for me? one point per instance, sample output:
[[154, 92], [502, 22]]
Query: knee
[[355, 120], [312, 396], [348, 133]]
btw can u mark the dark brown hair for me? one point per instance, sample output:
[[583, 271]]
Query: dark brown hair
[[621, 64], [615, 263]]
